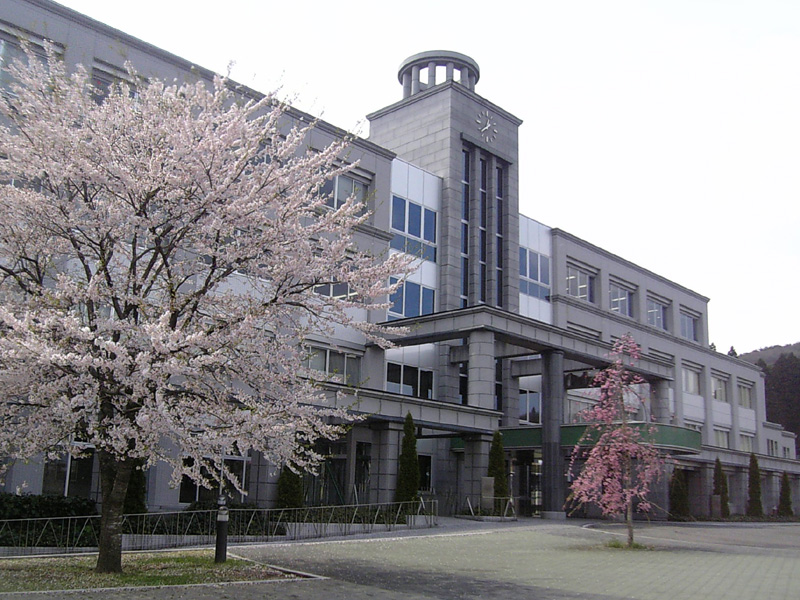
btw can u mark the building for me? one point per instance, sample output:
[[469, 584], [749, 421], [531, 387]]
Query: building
[[508, 317]]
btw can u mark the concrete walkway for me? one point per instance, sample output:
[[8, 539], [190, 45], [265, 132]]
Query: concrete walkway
[[528, 559]]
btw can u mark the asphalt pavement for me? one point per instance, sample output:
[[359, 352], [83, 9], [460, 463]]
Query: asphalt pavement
[[529, 559]]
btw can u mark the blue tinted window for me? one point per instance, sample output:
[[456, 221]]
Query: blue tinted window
[[523, 286], [523, 262], [430, 226], [464, 238], [427, 300], [414, 219], [398, 213], [533, 266], [413, 247], [396, 298], [544, 275], [398, 242], [428, 252], [412, 294]]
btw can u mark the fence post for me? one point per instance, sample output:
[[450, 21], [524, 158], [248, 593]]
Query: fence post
[[221, 551]]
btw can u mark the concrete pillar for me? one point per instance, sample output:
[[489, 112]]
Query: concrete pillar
[[659, 407], [414, 79], [553, 488], [476, 466], [481, 369], [733, 399], [449, 71], [737, 490], [431, 74], [406, 84], [510, 396], [385, 460]]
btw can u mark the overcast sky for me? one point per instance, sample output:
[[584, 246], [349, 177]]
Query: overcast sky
[[667, 132]]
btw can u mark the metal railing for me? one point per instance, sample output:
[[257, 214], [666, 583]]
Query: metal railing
[[153, 531], [482, 506]]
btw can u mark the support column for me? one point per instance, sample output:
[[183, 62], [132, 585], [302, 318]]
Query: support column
[[386, 460], [431, 74], [660, 402], [480, 391], [414, 79], [476, 466], [553, 488], [406, 84]]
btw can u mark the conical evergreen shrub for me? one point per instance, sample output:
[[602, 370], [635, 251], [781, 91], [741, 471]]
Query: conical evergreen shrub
[[754, 507], [678, 495], [408, 467], [785, 499]]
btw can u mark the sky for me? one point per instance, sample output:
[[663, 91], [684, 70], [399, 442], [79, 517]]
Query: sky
[[666, 132]]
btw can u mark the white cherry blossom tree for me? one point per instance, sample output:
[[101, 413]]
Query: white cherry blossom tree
[[159, 254]]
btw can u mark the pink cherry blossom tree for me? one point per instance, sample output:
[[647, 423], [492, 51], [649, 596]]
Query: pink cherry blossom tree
[[159, 255], [616, 473]]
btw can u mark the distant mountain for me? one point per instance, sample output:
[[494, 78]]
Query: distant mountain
[[771, 354]]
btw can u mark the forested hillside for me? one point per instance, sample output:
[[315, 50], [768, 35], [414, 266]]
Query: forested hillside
[[782, 367]]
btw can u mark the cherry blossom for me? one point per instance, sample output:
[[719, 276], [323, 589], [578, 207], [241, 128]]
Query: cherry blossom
[[159, 254]]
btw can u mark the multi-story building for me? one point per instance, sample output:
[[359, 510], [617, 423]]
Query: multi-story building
[[507, 318]]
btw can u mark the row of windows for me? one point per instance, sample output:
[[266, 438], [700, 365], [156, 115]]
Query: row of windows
[[338, 366], [411, 300], [339, 189], [409, 381], [719, 388], [534, 274], [417, 227], [581, 284]]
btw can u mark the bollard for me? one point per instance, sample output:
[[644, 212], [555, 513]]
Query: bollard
[[221, 551]]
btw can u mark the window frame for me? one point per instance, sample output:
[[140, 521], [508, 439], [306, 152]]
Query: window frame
[[583, 279]]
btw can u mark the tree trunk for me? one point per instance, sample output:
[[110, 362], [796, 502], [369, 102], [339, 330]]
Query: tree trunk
[[629, 521], [115, 475]]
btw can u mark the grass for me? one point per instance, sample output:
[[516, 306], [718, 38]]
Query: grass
[[624, 545], [139, 570]]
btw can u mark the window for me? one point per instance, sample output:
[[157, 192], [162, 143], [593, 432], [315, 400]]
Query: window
[[787, 452], [417, 227], [534, 274], [411, 300], [463, 383], [339, 189], [719, 388], [530, 406], [69, 476], [691, 381], [722, 438], [340, 366], [465, 192], [772, 447], [689, 327], [580, 284], [745, 396], [409, 381], [8, 52], [335, 290], [746, 442], [656, 314], [191, 492], [620, 300]]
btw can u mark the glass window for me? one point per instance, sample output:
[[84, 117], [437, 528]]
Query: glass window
[[398, 213], [534, 269], [691, 381], [620, 300], [412, 299], [341, 189], [409, 381], [772, 447], [393, 378], [656, 314], [427, 300], [689, 327], [529, 406], [745, 396], [430, 226], [722, 438], [719, 387], [580, 284], [746, 443], [414, 220], [340, 366]]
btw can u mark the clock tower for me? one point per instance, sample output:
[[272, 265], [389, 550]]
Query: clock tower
[[443, 126]]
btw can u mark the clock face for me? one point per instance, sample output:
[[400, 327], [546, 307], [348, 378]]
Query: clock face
[[487, 126]]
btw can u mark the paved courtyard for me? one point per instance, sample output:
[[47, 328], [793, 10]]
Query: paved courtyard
[[529, 559]]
